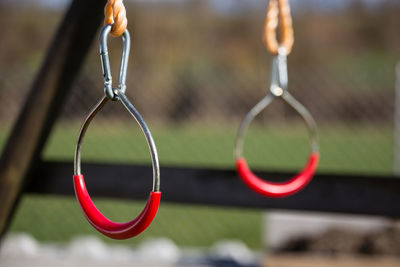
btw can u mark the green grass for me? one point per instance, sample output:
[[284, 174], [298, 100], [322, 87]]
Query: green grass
[[58, 219], [351, 149], [344, 149], [356, 149]]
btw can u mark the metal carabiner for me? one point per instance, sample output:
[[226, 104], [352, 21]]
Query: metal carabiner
[[278, 88], [105, 62], [93, 215], [279, 74]]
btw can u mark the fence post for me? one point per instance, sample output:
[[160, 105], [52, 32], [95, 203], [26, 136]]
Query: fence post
[[45, 100]]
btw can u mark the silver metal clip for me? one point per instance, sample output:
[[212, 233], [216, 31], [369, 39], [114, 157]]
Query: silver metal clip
[[279, 73], [105, 63]]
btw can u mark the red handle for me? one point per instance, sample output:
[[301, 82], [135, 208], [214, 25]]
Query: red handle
[[276, 190], [110, 228]]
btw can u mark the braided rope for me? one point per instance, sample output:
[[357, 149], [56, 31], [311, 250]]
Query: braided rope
[[115, 14], [281, 8]]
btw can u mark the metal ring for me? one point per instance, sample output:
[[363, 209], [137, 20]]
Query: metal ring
[[278, 88], [94, 216], [298, 182], [263, 104], [143, 126]]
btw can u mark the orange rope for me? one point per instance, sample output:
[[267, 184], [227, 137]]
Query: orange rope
[[282, 8], [115, 14]]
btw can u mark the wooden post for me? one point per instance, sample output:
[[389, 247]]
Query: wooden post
[[45, 100]]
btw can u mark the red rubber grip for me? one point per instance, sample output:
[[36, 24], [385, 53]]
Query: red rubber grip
[[109, 228], [276, 190]]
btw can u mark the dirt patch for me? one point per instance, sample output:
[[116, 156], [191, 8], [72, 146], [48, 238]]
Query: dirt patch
[[288, 260]]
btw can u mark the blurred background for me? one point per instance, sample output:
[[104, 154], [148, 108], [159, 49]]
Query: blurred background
[[196, 68]]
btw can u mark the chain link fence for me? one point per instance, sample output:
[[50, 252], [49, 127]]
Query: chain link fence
[[194, 72]]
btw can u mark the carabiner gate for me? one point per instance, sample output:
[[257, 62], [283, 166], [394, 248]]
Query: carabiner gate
[[105, 63]]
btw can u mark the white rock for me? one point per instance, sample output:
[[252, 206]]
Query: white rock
[[88, 247], [159, 250], [122, 254], [234, 250], [19, 245]]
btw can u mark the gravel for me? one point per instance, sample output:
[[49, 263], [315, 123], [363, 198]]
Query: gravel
[[23, 250]]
